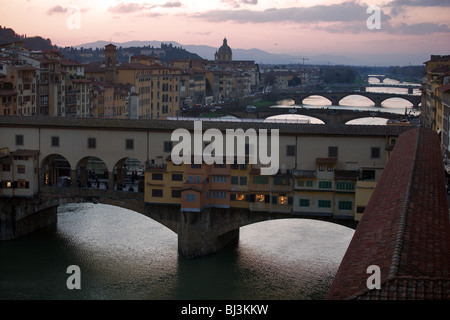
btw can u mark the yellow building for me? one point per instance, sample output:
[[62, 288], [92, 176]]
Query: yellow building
[[432, 109], [164, 182]]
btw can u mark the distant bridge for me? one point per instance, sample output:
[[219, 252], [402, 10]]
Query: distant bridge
[[327, 115], [336, 97]]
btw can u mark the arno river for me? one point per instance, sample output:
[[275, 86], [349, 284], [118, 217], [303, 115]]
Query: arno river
[[125, 255]]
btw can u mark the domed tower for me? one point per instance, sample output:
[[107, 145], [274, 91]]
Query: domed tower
[[224, 53]]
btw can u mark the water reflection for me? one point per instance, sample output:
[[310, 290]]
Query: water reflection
[[125, 255]]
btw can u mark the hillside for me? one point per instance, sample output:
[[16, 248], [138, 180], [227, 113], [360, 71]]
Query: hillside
[[8, 35]]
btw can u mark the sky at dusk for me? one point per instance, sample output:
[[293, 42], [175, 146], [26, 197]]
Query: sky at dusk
[[297, 27]]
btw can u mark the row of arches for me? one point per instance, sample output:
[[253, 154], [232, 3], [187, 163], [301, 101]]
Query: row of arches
[[356, 100], [92, 172]]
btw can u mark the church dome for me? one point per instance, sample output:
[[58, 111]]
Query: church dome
[[225, 49], [224, 53]]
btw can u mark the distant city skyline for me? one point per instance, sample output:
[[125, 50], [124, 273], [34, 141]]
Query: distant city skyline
[[301, 28]]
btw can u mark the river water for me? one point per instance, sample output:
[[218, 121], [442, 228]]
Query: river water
[[124, 255]]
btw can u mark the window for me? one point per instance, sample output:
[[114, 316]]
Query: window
[[190, 197], [321, 167], [168, 146], [157, 193], [243, 181], [304, 202], [234, 166], [325, 184], [330, 168], [309, 183], [177, 177], [345, 205], [19, 140], [260, 198], [218, 165], [243, 166], [129, 144], [332, 152], [22, 184], [344, 185], [196, 166], [324, 204], [375, 153], [281, 181], [234, 180], [157, 176], [92, 143], [260, 180], [290, 151], [220, 179], [219, 195], [6, 168], [239, 197], [21, 169], [283, 200], [190, 179], [55, 142], [368, 174], [198, 179], [360, 209], [300, 183], [176, 194]]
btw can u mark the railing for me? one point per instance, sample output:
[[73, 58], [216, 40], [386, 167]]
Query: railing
[[61, 192]]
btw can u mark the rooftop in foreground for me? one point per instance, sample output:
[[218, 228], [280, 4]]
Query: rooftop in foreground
[[171, 125], [405, 229]]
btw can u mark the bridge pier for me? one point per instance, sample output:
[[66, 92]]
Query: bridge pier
[[20, 217], [203, 233]]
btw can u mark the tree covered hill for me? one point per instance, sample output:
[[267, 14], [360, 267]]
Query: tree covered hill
[[166, 53], [8, 35]]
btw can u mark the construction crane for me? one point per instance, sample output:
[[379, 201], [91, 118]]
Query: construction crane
[[304, 60]]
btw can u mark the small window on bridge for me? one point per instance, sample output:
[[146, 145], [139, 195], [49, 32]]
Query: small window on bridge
[[375, 153], [129, 144], [92, 143], [55, 141], [19, 140], [290, 151], [332, 152]]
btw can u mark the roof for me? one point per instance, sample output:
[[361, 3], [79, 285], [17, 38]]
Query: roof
[[405, 228], [171, 125], [444, 88], [326, 160], [304, 173], [27, 153]]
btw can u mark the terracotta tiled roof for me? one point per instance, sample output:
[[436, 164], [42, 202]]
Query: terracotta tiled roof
[[405, 228], [326, 160], [28, 153], [444, 88], [171, 125]]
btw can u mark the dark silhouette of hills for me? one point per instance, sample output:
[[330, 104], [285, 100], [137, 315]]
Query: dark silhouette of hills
[[8, 35]]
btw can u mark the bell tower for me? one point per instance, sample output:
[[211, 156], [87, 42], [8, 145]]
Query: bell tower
[[110, 63]]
